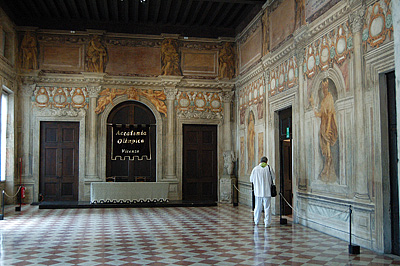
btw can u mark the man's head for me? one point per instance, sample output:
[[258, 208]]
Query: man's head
[[264, 159]]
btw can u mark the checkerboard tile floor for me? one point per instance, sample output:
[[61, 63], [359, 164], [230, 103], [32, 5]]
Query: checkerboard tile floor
[[222, 235]]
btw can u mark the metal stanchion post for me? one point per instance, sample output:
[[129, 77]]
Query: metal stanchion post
[[2, 206], [353, 249]]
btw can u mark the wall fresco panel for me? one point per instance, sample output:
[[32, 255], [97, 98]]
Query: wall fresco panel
[[199, 63], [134, 60], [62, 57], [250, 51], [282, 21]]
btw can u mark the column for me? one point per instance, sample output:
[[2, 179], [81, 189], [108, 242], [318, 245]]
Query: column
[[170, 92], [361, 181], [302, 182], [227, 100], [26, 92], [92, 133]]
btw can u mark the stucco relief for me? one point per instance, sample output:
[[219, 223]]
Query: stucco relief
[[378, 23], [328, 130], [59, 97], [283, 77], [196, 101], [252, 94], [332, 48], [155, 97]]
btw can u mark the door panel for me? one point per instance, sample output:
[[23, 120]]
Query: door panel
[[59, 149], [199, 162]]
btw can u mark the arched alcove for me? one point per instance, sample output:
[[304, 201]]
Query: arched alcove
[[138, 169]]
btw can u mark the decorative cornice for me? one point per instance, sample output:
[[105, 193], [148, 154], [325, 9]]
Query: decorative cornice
[[279, 54], [258, 70], [59, 112], [199, 115]]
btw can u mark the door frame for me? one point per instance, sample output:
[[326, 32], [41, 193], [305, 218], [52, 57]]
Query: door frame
[[80, 117], [75, 180], [102, 139], [179, 151]]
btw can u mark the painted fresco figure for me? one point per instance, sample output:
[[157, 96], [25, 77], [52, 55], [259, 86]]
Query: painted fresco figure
[[170, 58], [96, 56], [29, 51], [226, 61], [328, 133]]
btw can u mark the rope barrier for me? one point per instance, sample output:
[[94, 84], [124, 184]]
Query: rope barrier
[[297, 212], [19, 188]]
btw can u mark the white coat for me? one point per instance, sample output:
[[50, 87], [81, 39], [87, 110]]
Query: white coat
[[261, 179]]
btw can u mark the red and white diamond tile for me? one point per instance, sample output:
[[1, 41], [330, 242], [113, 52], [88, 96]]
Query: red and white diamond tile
[[221, 235]]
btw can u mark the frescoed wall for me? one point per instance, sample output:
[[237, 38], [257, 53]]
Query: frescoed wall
[[325, 65]]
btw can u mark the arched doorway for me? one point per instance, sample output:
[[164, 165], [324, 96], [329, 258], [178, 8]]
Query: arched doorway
[[132, 113]]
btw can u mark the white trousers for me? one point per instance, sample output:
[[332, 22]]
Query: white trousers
[[259, 202]]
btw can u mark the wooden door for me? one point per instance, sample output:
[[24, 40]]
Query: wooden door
[[200, 162], [59, 161], [285, 143]]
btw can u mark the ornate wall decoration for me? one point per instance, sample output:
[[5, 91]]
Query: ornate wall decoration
[[378, 23], [59, 97], [332, 48], [242, 157], [170, 64], [284, 76], [29, 51], [155, 97], [226, 62], [252, 94], [96, 56], [197, 102]]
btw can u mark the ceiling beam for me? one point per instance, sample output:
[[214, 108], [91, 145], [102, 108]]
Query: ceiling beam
[[196, 12], [64, 9], [176, 11], [83, 5], [157, 10], [44, 7], [32, 8], [93, 8], [224, 15], [114, 10], [74, 8], [232, 15], [104, 8], [246, 2], [187, 9], [146, 11], [205, 13], [135, 9], [125, 7], [53, 8], [167, 10], [216, 12]]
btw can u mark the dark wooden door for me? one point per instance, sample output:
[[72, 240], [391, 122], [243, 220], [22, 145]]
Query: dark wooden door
[[200, 162], [285, 140], [59, 161], [125, 170]]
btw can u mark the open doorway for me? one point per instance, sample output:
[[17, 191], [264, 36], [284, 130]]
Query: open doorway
[[285, 150], [393, 159]]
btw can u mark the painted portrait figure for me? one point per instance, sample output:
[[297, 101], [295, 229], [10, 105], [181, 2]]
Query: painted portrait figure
[[328, 132], [251, 135]]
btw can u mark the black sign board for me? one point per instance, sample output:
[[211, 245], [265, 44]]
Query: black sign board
[[130, 141]]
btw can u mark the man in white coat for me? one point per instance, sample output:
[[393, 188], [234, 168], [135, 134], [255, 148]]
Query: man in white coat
[[261, 177]]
